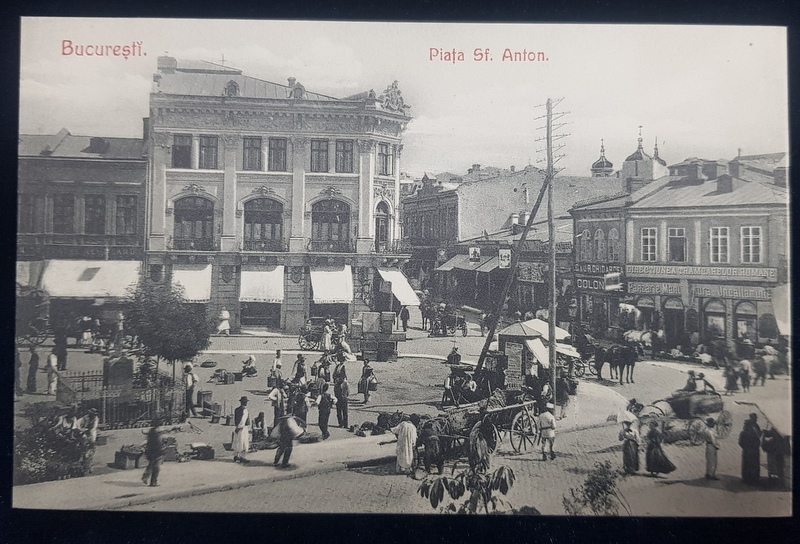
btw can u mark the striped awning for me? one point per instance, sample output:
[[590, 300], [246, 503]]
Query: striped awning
[[89, 279], [332, 285], [195, 280], [262, 285]]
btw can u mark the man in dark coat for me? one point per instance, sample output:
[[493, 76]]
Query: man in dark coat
[[33, 368], [61, 350], [341, 390], [404, 317], [154, 452], [750, 442]]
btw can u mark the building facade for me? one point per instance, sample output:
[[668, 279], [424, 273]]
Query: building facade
[[271, 201], [700, 253], [81, 218]]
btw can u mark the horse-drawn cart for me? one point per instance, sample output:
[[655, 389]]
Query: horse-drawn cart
[[447, 323], [685, 412]]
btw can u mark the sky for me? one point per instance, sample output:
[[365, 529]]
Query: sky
[[702, 91]]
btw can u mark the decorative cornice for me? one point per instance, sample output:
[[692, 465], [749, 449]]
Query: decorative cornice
[[366, 146], [263, 190]]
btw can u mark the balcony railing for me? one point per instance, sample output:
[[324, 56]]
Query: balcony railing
[[393, 247], [79, 239], [332, 246], [196, 244], [265, 245]]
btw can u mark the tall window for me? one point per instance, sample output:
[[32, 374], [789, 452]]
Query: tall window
[[126, 215], [95, 214], [26, 213], [319, 155], [344, 156], [252, 153], [677, 244], [330, 220], [208, 152], [649, 246], [586, 245], [751, 245], [599, 245], [384, 160], [194, 223], [277, 154], [182, 151], [381, 224], [613, 245], [263, 221], [719, 244], [63, 214]]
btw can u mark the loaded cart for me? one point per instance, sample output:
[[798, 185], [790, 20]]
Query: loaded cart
[[683, 415]]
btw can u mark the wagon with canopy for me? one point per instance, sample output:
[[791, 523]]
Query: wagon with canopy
[[683, 415]]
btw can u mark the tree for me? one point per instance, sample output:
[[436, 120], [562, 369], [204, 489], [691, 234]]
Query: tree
[[599, 494], [164, 324], [31, 315]]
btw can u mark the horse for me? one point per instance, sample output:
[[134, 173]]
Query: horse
[[428, 311]]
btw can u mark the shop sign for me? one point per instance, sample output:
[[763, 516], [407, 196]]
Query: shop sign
[[731, 291], [514, 366], [593, 283], [475, 254], [533, 272], [504, 258], [703, 272], [597, 269], [653, 288], [539, 246]]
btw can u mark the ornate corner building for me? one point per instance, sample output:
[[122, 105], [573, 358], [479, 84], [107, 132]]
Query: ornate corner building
[[272, 201]]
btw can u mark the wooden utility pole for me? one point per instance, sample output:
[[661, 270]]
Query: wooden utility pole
[[551, 314]]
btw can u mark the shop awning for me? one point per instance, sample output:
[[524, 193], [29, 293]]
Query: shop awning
[[489, 265], [262, 285], [29, 273], [539, 351], [195, 280], [449, 265], [780, 303], [400, 287], [332, 285], [567, 350], [466, 264], [89, 279], [542, 327]]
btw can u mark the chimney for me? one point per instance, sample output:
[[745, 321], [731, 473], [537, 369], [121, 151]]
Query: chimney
[[515, 218], [292, 81], [733, 169], [167, 65], [523, 218], [476, 167], [725, 184], [145, 128], [513, 168], [634, 184], [780, 174]]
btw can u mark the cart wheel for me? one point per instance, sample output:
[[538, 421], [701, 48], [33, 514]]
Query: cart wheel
[[463, 329], [696, 428], [724, 424], [523, 432], [580, 370], [305, 343]]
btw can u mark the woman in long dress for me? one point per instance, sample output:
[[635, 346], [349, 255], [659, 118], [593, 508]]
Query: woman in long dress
[[750, 442], [327, 338], [656, 460], [711, 449], [406, 444], [630, 448], [224, 326]]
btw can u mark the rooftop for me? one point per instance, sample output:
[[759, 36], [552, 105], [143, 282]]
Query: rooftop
[[670, 192], [66, 145]]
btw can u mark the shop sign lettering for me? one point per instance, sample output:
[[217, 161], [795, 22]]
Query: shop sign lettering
[[703, 272], [730, 291], [653, 288]]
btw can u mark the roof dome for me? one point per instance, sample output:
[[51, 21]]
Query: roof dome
[[602, 163]]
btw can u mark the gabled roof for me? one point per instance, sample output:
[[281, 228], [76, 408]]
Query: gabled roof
[[669, 192], [66, 145]]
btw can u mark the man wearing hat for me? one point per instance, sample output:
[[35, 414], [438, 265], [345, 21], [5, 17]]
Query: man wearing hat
[[454, 358], [190, 379], [241, 435], [547, 426]]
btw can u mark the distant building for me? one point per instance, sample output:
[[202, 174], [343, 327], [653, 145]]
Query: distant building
[[273, 201], [639, 168], [704, 252], [602, 167], [81, 218]]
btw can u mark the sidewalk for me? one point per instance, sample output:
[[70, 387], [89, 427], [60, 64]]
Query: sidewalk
[[123, 488]]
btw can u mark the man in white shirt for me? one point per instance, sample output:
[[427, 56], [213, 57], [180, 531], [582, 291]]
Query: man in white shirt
[[547, 426], [190, 379]]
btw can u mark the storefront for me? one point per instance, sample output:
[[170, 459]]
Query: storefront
[[331, 292], [261, 296], [598, 301]]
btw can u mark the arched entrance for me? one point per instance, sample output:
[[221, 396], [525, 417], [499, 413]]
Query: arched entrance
[[713, 321], [674, 323], [381, 226], [745, 328], [647, 306]]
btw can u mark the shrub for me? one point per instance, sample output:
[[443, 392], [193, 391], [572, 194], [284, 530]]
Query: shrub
[[44, 453], [598, 495]]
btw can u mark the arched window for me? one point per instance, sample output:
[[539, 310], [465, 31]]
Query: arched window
[[745, 320], [599, 245], [330, 226], [714, 322], [232, 89], [767, 326], [263, 225], [586, 245], [381, 225], [194, 223], [613, 245]]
